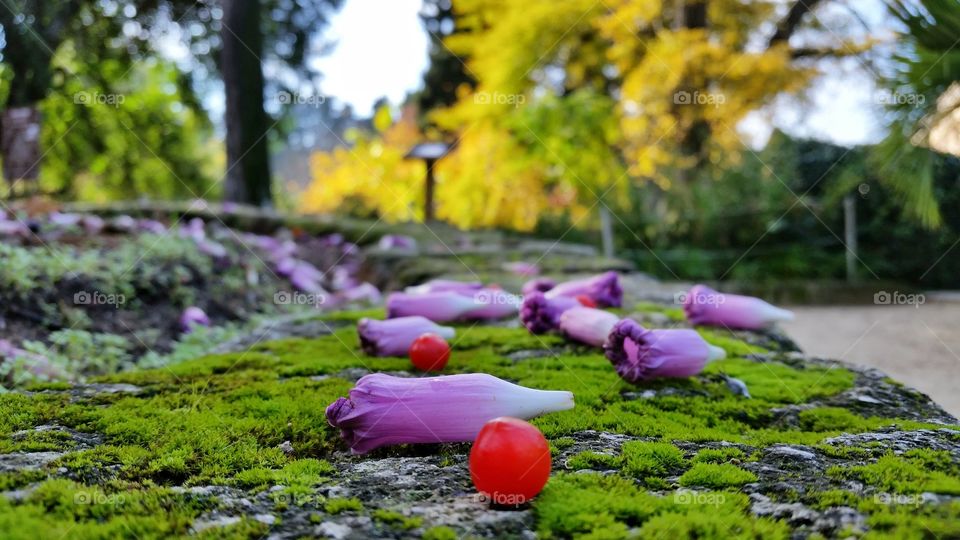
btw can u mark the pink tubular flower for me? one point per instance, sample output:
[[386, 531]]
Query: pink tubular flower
[[522, 268], [493, 304], [705, 306], [541, 315], [193, 317], [604, 289], [365, 292], [393, 337], [384, 410], [639, 354], [442, 285], [438, 307], [538, 285], [587, 325]]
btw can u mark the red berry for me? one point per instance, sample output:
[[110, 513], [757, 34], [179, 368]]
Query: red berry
[[509, 461], [585, 300], [429, 352]]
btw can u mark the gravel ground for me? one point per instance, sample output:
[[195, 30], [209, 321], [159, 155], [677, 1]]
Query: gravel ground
[[918, 345]]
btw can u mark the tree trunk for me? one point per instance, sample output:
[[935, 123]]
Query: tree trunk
[[20, 144], [248, 160]]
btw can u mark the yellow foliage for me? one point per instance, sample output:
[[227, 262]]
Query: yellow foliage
[[573, 99]]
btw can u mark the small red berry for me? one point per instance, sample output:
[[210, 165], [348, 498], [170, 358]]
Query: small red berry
[[509, 461], [429, 352], [585, 301]]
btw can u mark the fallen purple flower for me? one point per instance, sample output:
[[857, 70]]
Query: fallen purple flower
[[587, 325], [152, 226], [521, 268], [193, 229], [639, 354], [92, 224], [365, 292], [705, 306], [211, 248], [123, 224], [306, 278], [193, 317], [384, 410], [540, 314], [61, 219], [538, 285], [442, 306], [396, 241], [13, 228], [604, 289], [393, 337], [442, 285]]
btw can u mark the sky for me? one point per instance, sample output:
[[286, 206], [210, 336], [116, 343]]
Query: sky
[[381, 50]]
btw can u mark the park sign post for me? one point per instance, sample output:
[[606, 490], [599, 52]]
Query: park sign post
[[429, 152]]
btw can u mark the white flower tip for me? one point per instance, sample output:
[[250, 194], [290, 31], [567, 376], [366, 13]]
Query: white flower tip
[[715, 353], [446, 332]]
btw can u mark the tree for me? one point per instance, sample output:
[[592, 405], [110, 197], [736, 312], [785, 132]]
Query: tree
[[573, 101], [923, 99], [248, 161]]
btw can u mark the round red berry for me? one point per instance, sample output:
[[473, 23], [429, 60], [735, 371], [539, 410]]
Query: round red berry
[[429, 352], [509, 461]]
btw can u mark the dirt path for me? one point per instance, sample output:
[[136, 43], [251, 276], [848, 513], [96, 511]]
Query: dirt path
[[919, 346]]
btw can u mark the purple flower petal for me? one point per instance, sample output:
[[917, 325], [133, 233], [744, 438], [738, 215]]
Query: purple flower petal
[[439, 306], [540, 314], [393, 337], [639, 354], [365, 292], [705, 306], [587, 325], [604, 289], [538, 285], [192, 317], [384, 410], [522, 268], [442, 285], [396, 241]]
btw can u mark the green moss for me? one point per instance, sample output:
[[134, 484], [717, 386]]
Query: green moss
[[673, 313], [718, 455], [38, 441], [733, 346], [608, 506], [221, 419], [336, 506], [651, 461], [915, 522], [833, 497], [716, 476], [907, 474], [440, 533], [396, 519], [593, 460]]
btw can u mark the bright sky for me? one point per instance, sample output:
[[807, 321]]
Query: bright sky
[[381, 50]]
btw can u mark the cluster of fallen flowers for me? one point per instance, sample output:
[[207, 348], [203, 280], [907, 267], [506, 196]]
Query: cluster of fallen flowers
[[384, 410], [284, 254]]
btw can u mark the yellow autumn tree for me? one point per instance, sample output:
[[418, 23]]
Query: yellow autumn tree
[[575, 100]]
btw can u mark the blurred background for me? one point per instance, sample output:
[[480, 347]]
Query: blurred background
[[805, 151]]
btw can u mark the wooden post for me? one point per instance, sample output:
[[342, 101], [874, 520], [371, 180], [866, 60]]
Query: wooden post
[[606, 231], [428, 195], [850, 235]]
